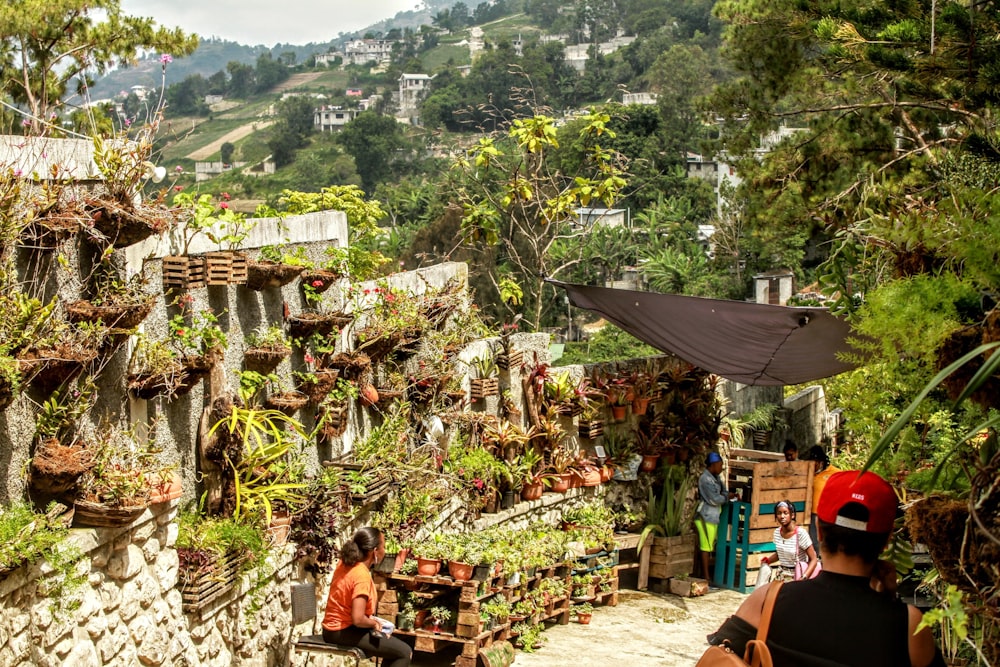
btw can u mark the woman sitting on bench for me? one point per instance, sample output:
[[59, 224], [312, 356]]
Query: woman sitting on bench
[[350, 609]]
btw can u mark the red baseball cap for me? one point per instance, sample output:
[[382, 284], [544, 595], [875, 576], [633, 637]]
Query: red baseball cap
[[868, 490]]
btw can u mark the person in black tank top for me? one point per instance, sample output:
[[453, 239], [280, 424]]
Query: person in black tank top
[[849, 615]]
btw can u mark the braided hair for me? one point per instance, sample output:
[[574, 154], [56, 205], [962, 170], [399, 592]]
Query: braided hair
[[363, 542]]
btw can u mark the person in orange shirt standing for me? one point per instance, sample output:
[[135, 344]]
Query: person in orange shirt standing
[[824, 470], [350, 607]]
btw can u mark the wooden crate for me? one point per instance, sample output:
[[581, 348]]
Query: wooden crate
[[218, 268], [671, 556], [480, 388], [746, 529], [239, 269], [183, 272], [199, 589]]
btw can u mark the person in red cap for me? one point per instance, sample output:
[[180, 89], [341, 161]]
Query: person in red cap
[[849, 615]]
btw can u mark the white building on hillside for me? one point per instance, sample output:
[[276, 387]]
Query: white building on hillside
[[365, 51], [332, 119], [412, 88]]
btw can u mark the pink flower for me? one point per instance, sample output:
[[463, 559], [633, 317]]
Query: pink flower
[[317, 283], [26, 123], [478, 483], [225, 196], [223, 205], [128, 122], [309, 358], [178, 169], [178, 188], [181, 333], [166, 58]]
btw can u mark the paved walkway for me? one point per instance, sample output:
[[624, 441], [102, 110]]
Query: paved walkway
[[644, 630]]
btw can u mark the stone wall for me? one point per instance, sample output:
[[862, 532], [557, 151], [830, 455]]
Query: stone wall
[[130, 610]]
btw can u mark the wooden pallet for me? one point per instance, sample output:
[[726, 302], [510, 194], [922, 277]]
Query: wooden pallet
[[198, 590], [671, 556], [746, 529]]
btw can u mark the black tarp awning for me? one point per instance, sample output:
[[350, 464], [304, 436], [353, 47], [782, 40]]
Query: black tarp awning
[[751, 343]]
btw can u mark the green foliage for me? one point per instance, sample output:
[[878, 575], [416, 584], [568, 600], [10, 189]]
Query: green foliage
[[666, 515], [62, 42], [607, 344]]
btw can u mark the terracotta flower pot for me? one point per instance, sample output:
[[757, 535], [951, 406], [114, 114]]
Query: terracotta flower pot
[[532, 491], [428, 567], [169, 488], [584, 619], [369, 395], [639, 405], [618, 412], [649, 462], [561, 484], [459, 571]]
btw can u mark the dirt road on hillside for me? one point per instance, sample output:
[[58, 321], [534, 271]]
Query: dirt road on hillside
[[208, 150], [644, 630]]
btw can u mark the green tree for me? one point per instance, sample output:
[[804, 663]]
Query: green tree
[[513, 198], [372, 140], [890, 183], [47, 44], [241, 79]]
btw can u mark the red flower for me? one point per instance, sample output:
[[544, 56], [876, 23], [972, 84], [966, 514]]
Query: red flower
[[223, 205], [317, 283], [181, 333], [178, 188], [225, 196], [309, 358]]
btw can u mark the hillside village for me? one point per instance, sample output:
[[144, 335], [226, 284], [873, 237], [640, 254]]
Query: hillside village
[[501, 282]]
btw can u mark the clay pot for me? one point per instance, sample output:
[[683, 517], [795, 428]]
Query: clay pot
[[640, 405], [532, 491], [428, 567], [649, 462], [561, 483], [583, 619], [169, 488], [618, 412], [459, 571]]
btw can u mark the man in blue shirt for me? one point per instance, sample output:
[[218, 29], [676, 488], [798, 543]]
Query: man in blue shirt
[[713, 496]]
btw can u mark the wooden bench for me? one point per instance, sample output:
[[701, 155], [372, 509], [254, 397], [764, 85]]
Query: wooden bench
[[304, 609]]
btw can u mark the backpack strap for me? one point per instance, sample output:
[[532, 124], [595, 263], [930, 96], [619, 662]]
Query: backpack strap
[[757, 653], [765, 614]]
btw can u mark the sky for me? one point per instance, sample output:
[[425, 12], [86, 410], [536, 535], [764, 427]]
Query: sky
[[268, 22]]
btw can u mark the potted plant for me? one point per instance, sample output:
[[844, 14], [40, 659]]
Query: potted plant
[[274, 268], [649, 445], [407, 616], [561, 461], [485, 383], [559, 394], [428, 554], [116, 489], [583, 612], [438, 618], [669, 517], [267, 346], [116, 302], [618, 396], [643, 385]]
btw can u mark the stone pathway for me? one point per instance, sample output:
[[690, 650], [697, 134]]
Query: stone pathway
[[644, 630]]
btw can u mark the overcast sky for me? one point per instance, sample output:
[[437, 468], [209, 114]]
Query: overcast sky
[[268, 22]]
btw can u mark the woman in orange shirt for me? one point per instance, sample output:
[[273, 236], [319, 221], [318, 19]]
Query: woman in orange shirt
[[350, 608]]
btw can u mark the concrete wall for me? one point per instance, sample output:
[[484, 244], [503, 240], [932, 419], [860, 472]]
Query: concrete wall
[[808, 419]]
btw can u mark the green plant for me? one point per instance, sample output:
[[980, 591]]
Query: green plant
[[124, 469], [216, 220], [296, 257], [618, 445], [583, 608], [497, 608], [530, 637], [559, 389], [484, 365], [666, 516], [409, 567], [267, 336], [252, 382], [595, 513], [440, 614], [195, 333], [342, 392], [262, 474], [61, 411]]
